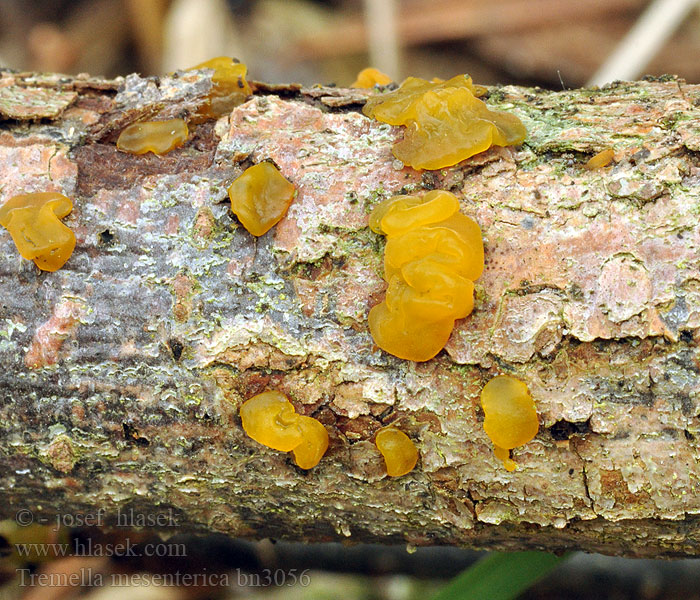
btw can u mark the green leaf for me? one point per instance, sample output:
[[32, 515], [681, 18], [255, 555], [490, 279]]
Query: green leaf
[[500, 576]]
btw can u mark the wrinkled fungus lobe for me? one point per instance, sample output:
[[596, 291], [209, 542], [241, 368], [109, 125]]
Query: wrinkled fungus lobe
[[270, 419], [510, 417], [445, 121], [399, 452], [433, 254], [33, 221], [369, 77], [229, 86], [260, 197], [159, 137]]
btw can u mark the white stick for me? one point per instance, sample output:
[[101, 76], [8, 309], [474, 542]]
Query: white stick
[[644, 40], [382, 36]]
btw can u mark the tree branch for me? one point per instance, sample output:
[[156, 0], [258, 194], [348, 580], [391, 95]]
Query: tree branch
[[123, 371]]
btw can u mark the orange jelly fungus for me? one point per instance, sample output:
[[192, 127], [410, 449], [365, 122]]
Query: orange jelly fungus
[[260, 197], [400, 453], [159, 137], [33, 221], [445, 121], [229, 86], [433, 254], [369, 77], [510, 417], [270, 419], [600, 160]]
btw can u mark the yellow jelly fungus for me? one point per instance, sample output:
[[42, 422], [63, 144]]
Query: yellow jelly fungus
[[600, 160], [159, 137], [369, 77], [400, 453], [401, 105], [33, 221], [270, 419], [432, 256], [314, 442], [445, 121], [510, 417], [229, 86], [260, 197]]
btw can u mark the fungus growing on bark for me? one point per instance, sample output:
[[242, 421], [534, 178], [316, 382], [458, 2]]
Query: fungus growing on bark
[[159, 137], [369, 77], [33, 221], [432, 256], [260, 197], [399, 452], [600, 160], [229, 87], [510, 417], [270, 419], [445, 121]]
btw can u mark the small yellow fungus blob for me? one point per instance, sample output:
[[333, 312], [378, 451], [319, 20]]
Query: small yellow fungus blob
[[260, 197], [600, 160], [159, 137], [369, 77], [229, 86], [432, 256], [33, 221], [510, 417], [270, 419], [399, 451], [314, 442], [445, 121]]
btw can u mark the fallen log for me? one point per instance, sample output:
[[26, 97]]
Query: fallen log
[[122, 372]]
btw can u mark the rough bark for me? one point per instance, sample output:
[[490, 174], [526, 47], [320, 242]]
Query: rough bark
[[122, 373]]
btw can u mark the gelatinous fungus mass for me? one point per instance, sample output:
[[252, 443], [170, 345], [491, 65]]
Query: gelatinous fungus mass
[[399, 451], [369, 77], [510, 417], [270, 419], [159, 137], [229, 86], [445, 121], [33, 221], [260, 197], [432, 256], [600, 160]]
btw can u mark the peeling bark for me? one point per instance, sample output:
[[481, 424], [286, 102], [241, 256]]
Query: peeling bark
[[123, 372]]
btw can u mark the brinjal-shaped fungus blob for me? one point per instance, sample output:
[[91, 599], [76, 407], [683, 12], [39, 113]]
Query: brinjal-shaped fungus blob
[[399, 452], [510, 417]]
